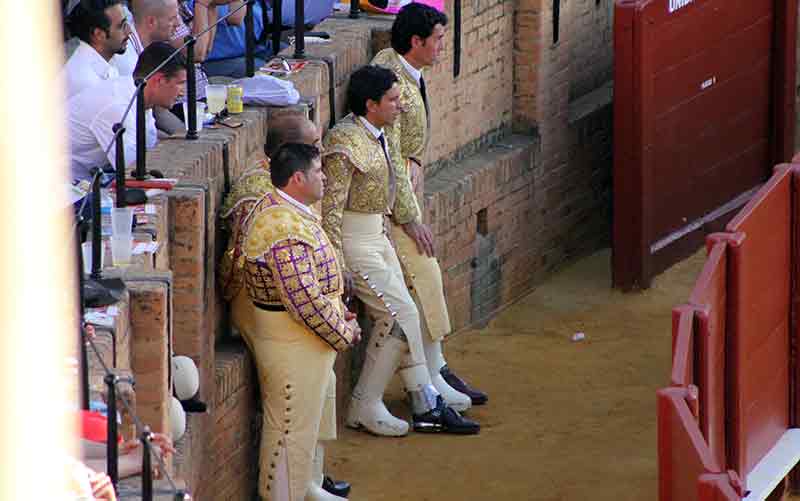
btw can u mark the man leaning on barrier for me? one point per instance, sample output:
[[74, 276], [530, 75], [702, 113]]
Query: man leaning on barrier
[[417, 41], [93, 113], [294, 279], [363, 186], [251, 186]]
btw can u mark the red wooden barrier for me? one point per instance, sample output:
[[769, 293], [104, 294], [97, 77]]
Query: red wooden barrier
[[758, 324], [683, 454], [703, 107], [716, 487], [709, 298]]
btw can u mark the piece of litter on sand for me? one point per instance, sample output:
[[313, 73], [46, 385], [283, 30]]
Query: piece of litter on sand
[[578, 336]]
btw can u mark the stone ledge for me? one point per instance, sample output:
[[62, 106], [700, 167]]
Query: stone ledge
[[590, 103]]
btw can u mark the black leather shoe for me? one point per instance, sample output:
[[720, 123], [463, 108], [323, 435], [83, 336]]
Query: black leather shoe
[[478, 397], [443, 419], [336, 487]]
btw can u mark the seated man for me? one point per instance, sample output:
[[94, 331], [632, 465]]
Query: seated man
[[152, 21], [93, 113], [227, 55], [103, 30], [249, 189]]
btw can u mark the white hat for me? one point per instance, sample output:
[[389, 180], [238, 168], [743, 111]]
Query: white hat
[[185, 378], [177, 419]]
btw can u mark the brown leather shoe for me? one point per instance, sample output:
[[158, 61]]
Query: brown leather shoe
[[478, 397]]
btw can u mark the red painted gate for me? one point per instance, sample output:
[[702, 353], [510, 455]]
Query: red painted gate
[[703, 108]]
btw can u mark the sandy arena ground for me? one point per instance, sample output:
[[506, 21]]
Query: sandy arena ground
[[565, 420]]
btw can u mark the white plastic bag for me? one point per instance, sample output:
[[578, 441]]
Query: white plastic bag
[[265, 90]]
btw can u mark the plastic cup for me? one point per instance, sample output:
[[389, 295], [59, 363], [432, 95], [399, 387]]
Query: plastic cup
[[201, 114], [86, 250], [121, 221], [215, 97], [121, 250]]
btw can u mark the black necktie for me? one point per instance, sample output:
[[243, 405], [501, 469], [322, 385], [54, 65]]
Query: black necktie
[[392, 180], [422, 91]]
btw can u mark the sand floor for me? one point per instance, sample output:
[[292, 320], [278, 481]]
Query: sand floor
[[565, 421]]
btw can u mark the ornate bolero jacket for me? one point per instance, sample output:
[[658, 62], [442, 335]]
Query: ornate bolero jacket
[[290, 262], [249, 189], [360, 180]]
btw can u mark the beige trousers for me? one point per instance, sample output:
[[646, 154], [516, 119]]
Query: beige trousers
[[424, 278], [294, 372], [367, 251]]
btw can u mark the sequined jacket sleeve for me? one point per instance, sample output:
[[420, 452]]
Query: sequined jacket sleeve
[[292, 264], [339, 172], [405, 208]]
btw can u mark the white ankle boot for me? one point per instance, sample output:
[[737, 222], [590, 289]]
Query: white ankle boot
[[367, 409], [435, 361], [315, 491]]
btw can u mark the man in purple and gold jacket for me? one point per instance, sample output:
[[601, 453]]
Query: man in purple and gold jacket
[[295, 283]]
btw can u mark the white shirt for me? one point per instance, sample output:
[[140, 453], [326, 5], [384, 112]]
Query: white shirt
[[300, 205], [126, 62], [86, 68], [91, 116], [417, 74], [375, 132]]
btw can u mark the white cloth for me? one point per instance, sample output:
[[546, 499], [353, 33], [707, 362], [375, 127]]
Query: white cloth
[[126, 62], [300, 205], [91, 116], [417, 74], [265, 90], [85, 69]]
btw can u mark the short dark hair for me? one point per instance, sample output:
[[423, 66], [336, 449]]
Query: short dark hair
[[291, 158], [414, 19], [89, 15], [368, 82], [155, 54]]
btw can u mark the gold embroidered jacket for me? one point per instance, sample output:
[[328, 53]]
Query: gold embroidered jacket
[[412, 129], [248, 189], [290, 262], [360, 180]]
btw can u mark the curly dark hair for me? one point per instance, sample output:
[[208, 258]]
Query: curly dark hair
[[368, 82], [414, 19]]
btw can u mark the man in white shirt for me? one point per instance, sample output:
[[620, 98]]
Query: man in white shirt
[[103, 30], [93, 112], [153, 21]]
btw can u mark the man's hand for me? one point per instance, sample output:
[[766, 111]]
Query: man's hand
[[422, 235], [415, 173], [102, 487], [350, 318]]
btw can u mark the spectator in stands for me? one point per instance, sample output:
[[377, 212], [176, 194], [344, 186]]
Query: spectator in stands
[[103, 30], [194, 19], [93, 113], [227, 56], [417, 41], [151, 21]]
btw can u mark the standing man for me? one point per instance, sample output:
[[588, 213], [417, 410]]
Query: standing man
[[363, 186], [417, 41], [294, 280], [103, 31], [251, 186]]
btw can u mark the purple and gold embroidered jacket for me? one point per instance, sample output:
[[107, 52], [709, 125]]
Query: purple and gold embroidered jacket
[[290, 262], [249, 189]]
